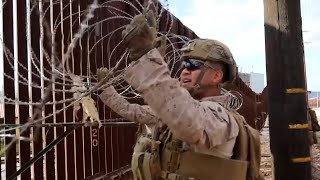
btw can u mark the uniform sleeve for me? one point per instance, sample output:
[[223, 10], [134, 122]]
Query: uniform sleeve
[[132, 112], [202, 123]]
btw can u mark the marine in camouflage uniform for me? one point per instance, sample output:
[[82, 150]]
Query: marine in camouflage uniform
[[188, 132], [313, 126]]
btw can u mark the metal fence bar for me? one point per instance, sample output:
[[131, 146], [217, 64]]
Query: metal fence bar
[[42, 20], [95, 62], [65, 30], [10, 154], [24, 146], [29, 76], [36, 92], [69, 118], [16, 58], [79, 150], [73, 29], [87, 132], [92, 131], [1, 89], [52, 156], [60, 49], [101, 109], [46, 16]]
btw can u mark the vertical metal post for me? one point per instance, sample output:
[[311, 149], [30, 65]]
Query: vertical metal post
[[287, 95]]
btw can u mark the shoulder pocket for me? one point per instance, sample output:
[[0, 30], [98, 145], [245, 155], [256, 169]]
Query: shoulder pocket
[[218, 110]]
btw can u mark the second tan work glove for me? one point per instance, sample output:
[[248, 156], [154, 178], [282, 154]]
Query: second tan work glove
[[161, 44], [139, 36], [103, 76]]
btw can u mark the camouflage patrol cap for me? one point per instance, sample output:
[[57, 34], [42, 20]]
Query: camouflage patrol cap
[[208, 50]]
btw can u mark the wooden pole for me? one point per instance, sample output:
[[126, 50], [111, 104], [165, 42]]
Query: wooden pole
[[287, 95]]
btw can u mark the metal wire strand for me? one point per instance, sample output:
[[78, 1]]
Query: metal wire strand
[[234, 100]]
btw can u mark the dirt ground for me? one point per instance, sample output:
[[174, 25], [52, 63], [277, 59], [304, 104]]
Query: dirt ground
[[266, 160], [265, 154]]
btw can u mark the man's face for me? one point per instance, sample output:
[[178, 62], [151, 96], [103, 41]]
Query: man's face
[[191, 71]]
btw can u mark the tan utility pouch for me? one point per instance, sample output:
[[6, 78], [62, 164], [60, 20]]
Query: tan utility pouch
[[145, 165]]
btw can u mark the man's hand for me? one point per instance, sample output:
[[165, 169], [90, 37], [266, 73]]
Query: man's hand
[[139, 36], [103, 76]]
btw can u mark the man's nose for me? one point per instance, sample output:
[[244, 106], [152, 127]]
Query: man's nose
[[185, 72]]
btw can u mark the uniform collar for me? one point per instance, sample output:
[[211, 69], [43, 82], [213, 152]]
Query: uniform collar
[[219, 99]]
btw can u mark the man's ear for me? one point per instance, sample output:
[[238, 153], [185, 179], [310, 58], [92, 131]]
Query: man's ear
[[217, 76]]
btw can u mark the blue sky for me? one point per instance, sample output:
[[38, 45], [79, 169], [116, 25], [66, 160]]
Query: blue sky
[[240, 25]]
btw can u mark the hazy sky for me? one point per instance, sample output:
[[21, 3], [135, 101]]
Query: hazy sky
[[240, 25]]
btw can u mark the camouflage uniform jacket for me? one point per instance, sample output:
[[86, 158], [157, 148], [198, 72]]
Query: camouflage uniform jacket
[[205, 125]]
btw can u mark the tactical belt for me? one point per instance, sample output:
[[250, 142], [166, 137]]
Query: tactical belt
[[191, 165]]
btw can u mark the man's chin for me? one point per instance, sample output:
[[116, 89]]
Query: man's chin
[[187, 87]]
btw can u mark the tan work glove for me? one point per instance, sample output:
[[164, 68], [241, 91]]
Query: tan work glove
[[161, 44], [103, 76], [139, 36]]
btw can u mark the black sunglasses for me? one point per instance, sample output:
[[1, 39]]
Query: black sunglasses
[[191, 64]]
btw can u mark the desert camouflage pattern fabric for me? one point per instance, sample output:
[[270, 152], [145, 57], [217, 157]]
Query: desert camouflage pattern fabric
[[213, 131]]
